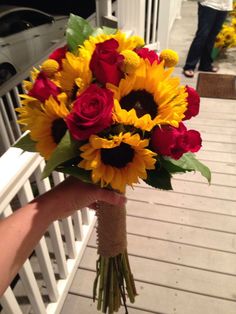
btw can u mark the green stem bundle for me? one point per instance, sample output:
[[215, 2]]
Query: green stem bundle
[[114, 283]]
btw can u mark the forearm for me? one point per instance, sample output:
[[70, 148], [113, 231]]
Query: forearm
[[21, 232]]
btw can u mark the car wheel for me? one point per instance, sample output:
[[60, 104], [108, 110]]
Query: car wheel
[[6, 72]]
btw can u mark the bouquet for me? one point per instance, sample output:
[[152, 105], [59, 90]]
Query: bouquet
[[227, 36], [105, 109]]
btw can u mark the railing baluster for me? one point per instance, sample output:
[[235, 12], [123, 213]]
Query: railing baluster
[[78, 227], [85, 215], [54, 229], [28, 280], [69, 236], [4, 139], [7, 123], [32, 289], [67, 222], [25, 195], [154, 21], [9, 302], [148, 22], [13, 112]]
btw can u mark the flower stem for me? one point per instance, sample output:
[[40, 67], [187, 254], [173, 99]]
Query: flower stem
[[115, 280]]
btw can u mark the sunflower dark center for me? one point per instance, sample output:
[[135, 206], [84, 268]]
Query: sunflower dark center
[[118, 156], [58, 129], [142, 101]]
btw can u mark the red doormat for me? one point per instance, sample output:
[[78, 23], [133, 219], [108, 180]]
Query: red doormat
[[212, 85]]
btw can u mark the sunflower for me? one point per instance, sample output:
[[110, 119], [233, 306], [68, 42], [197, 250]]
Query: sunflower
[[149, 97], [117, 161], [45, 123], [75, 75], [130, 43]]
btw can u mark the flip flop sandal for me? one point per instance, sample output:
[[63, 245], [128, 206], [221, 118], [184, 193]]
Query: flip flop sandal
[[188, 73]]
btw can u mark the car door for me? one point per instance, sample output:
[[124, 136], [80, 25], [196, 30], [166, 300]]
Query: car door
[[45, 30], [15, 41]]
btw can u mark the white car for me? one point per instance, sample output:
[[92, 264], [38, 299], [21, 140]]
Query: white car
[[25, 35]]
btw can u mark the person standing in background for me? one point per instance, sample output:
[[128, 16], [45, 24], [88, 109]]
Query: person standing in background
[[211, 16]]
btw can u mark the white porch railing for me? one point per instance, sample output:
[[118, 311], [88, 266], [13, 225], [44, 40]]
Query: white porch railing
[[45, 278], [58, 253], [150, 19]]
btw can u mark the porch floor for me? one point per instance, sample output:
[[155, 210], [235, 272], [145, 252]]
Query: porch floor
[[181, 243]]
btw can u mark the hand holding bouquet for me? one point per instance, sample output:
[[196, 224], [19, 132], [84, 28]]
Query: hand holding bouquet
[[106, 110]]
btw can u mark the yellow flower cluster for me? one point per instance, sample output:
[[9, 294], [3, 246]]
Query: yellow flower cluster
[[233, 12], [227, 36]]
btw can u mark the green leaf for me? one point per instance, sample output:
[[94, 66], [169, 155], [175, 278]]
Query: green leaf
[[82, 174], [26, 143], [170, 167], [67, 149], [159, 178], [104, 30], [188, 162], [78, 30]]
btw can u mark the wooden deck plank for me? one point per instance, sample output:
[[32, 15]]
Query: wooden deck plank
[[213, 122], [211, 129], [219, 166], [178, 254], [218, 147], [203, 189], [229, 116], [213, 105], [179, 215], [76, 304], [216, 178], [182, 234], [184, 200], [220, 138], [218, 156], [198, 188]]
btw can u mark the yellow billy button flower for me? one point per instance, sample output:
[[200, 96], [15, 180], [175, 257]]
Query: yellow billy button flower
[[170, 57], [131, 61], [50, 67], [118, 161]]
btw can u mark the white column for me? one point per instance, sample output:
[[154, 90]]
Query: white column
[[163, 30], [103, 8], [131, 16]]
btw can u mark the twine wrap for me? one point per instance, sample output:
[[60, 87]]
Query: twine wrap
[[111, 230]]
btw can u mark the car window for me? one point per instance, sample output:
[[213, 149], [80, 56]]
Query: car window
[[16, 22], [12, 23], [35, 18]]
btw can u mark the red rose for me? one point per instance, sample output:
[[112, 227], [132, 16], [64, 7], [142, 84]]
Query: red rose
[[58, 54], [145, 53], [193, 100], [91, 113], [43, 88], [174, 142], [106, 62]]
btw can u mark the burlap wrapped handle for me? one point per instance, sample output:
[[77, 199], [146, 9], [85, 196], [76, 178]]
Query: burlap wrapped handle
[[111, 230]]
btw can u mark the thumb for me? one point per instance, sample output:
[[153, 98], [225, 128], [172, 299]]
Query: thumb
[[112, 197]]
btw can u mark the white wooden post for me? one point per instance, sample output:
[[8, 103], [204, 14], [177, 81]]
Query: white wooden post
[[103, 8], [131, 16], [178, 11], [4, 140], [163, 23]]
